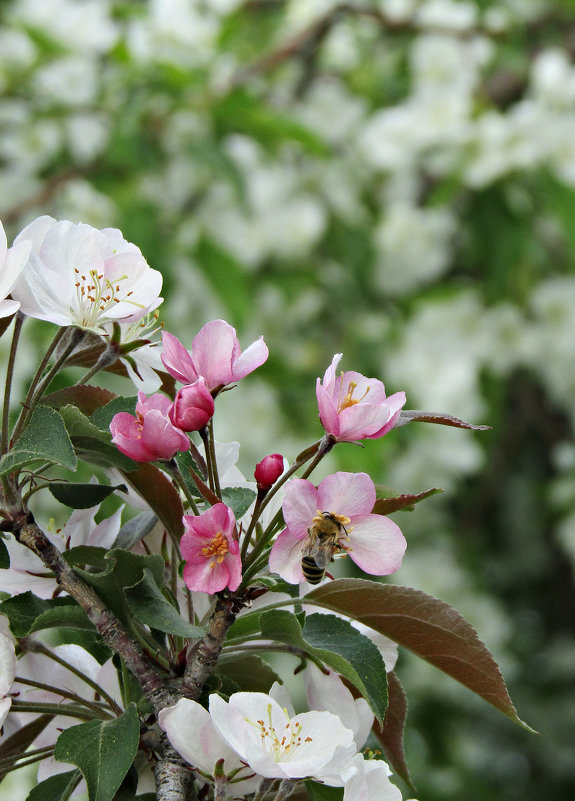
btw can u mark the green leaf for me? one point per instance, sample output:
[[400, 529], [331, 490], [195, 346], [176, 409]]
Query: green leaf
[[250, 672], [135, 530], [93, 444], [56, 788], [102, 417], [45, 438], [337, 643], [239, 499], [149, 606], [389, 501], [82, 496], [28, 613], [117, 570], [425, 625], [104, 750], [4, 555], [321, 792]]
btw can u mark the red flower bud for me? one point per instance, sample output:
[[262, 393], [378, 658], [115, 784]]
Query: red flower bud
[[193, 406], [269, 470]]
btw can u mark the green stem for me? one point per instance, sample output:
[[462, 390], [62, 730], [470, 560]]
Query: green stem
[[108, 357], [69, 710], [95, 706], [32, 398], [14, 761], [252, 525], [18, 322], [172, 467], [214, 461], [263, 789], [203, 432]]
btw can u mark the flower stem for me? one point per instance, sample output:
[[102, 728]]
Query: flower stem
[[108, 356], [18, 322], [95, 706], [212, 447]]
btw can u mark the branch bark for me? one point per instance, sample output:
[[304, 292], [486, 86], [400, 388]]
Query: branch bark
[[203, 656]]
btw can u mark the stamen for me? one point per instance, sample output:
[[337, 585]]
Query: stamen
[[216, 549]]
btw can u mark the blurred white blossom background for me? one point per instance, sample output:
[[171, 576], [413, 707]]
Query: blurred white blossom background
[[394, 179]]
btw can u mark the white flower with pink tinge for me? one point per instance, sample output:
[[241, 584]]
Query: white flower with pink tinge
[[7, 672], [12, 262], [280, 745], [81, 276], [374, 542]]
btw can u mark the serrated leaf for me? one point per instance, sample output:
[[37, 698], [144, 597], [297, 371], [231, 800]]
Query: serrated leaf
[[4, 556], [102, 454], [337, 643], [86, 398], [425, 625], [82, 496], [102, 417], [79, 425], [45, 438], [104, 750], [56, 788], [439, 418], [135, 530], [250, 672], [17, 743], [117, 569], [149, 606], [239, 499], [404, 502], [390, 735], [28, 613]]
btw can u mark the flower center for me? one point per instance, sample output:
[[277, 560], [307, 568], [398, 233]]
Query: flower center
[[283, 743], [96, 294], [348, 399], [216, 549]]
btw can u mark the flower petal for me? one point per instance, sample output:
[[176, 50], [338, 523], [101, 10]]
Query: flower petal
[[351, 494], [377, 545]]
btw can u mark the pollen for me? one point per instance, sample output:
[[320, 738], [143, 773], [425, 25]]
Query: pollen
[[281, 745], [216, 549], [95, 295], [348, 399]]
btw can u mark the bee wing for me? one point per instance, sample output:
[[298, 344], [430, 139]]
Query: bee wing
[[321, 553]]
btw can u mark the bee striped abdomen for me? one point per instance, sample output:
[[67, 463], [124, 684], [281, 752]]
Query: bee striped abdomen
[[311, 571]]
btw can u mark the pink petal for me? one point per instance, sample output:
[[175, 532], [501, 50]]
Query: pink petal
[[377, 545], [351, 494], [329, 375], [252, 358], [214, 348], [176, 359], [395, 403], [361, 420], [300, 506], [285, 557], [327, 410]]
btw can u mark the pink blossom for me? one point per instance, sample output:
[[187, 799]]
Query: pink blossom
[[211, 552], [150, 434], [216, 356], [193, 406], [374, 542], [269, 470], [353, 407]]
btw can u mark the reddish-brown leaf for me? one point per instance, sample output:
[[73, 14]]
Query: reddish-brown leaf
[[427, 626], [160, 494], [395, 503], [86, 398], [440, 418], [390, 735]]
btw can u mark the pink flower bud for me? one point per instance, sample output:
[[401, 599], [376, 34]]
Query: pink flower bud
[[193, 406], [269, 470], [150, 434]]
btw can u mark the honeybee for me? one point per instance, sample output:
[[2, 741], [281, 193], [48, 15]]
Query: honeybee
[[323, 543]]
